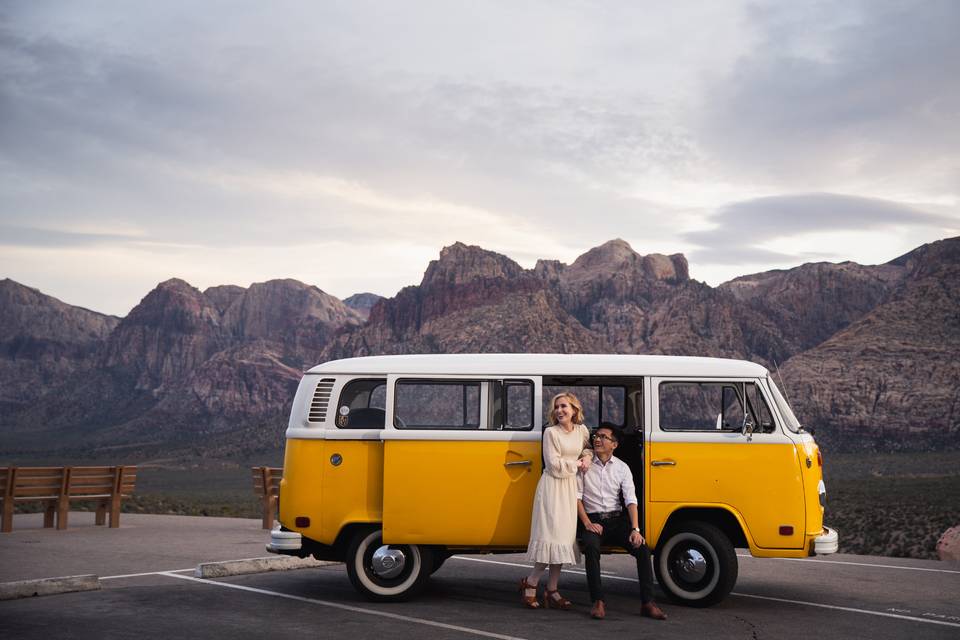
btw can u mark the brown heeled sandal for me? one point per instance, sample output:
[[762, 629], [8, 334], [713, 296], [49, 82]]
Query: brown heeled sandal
[[555, 600], [530, 602]]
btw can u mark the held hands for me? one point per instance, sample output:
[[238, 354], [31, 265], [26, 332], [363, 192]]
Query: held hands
[[583, 464], [636, 539]]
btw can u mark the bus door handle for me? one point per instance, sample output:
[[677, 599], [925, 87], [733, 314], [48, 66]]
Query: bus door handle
[[663, 463], [518, 463]]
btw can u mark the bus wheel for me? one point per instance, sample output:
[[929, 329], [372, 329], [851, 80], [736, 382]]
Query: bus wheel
[[696, 564], [386, 572]]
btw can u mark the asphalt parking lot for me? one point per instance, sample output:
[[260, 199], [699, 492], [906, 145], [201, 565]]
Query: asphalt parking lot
[[152, 593]]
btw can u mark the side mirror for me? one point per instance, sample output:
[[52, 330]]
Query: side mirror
[[719, 421], [748, 427]]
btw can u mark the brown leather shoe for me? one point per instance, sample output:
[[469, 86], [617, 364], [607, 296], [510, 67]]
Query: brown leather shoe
[[555, 600], [530, 602], [651, 610], [598, 611]]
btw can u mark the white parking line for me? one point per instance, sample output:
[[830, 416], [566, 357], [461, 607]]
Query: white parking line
[[346, 607], [750, 595], [838, 608], [855, 564], [147, 573]]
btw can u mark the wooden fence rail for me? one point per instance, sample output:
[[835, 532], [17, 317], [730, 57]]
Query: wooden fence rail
[[266, 484]]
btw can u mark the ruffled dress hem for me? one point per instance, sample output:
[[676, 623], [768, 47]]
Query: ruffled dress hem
[[553, 552]]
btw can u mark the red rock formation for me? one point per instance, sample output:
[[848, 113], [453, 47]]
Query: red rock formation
[[611, 299], [299, 318], [223, 296], [890, 378], [167, 336], [42, 340], [184, 363], [244, 380], [816, 300]]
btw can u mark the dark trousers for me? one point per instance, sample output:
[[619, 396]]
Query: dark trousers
[[616, 533]]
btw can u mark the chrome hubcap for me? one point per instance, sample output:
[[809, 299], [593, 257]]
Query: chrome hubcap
[[691, 565], [388, 563]]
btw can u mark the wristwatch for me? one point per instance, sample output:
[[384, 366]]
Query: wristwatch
[[637, 529]]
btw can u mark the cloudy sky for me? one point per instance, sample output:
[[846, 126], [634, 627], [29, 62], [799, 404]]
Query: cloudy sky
[[344, 143]]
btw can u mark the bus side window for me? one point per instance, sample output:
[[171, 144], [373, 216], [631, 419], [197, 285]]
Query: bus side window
[[713, 406], [518, 405], [700, 406], [437, 404], [362, 404], [588, 395], [760, 409], [601, 403], [732, 413], [613, 407]]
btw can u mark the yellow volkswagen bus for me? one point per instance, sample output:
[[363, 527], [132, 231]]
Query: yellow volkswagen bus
[[394, 463]]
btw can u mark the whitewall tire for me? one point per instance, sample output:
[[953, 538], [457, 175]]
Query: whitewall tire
[[386, 572], [696, 564]]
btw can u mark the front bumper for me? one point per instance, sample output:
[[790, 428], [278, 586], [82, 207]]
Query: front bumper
[[826, 543], [285, 542]]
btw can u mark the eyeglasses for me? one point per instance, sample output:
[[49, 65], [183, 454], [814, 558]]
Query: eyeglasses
[[600, 436]]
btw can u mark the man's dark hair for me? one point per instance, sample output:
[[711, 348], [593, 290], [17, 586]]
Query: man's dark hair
[[614, 431]]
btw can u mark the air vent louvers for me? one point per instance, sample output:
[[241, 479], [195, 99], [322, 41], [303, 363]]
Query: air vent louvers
[[321, 398]]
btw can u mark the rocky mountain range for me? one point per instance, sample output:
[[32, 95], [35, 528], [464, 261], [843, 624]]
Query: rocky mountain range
[[184, 367], [868, 354]]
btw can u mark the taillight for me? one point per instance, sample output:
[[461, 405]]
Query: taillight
[[819, 458]]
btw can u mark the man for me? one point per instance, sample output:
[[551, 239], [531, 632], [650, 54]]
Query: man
[[603, 521]]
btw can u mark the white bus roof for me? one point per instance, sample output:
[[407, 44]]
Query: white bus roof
[[526, 364]]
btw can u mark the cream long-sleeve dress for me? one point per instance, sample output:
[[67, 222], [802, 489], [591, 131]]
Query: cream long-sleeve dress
[[553, 527]]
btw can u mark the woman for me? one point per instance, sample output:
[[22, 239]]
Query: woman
[[553, 528]]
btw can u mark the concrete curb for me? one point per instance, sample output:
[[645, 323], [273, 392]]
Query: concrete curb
[[48, 586], [256, 565]]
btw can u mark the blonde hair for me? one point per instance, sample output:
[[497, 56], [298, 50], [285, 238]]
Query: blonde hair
[[574, 402]]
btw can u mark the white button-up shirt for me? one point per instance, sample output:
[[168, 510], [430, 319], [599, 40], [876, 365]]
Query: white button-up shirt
[[601, 485]]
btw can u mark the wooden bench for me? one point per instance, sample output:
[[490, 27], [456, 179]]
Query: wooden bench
[[266, 484], [57, 487], [30, 484]]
